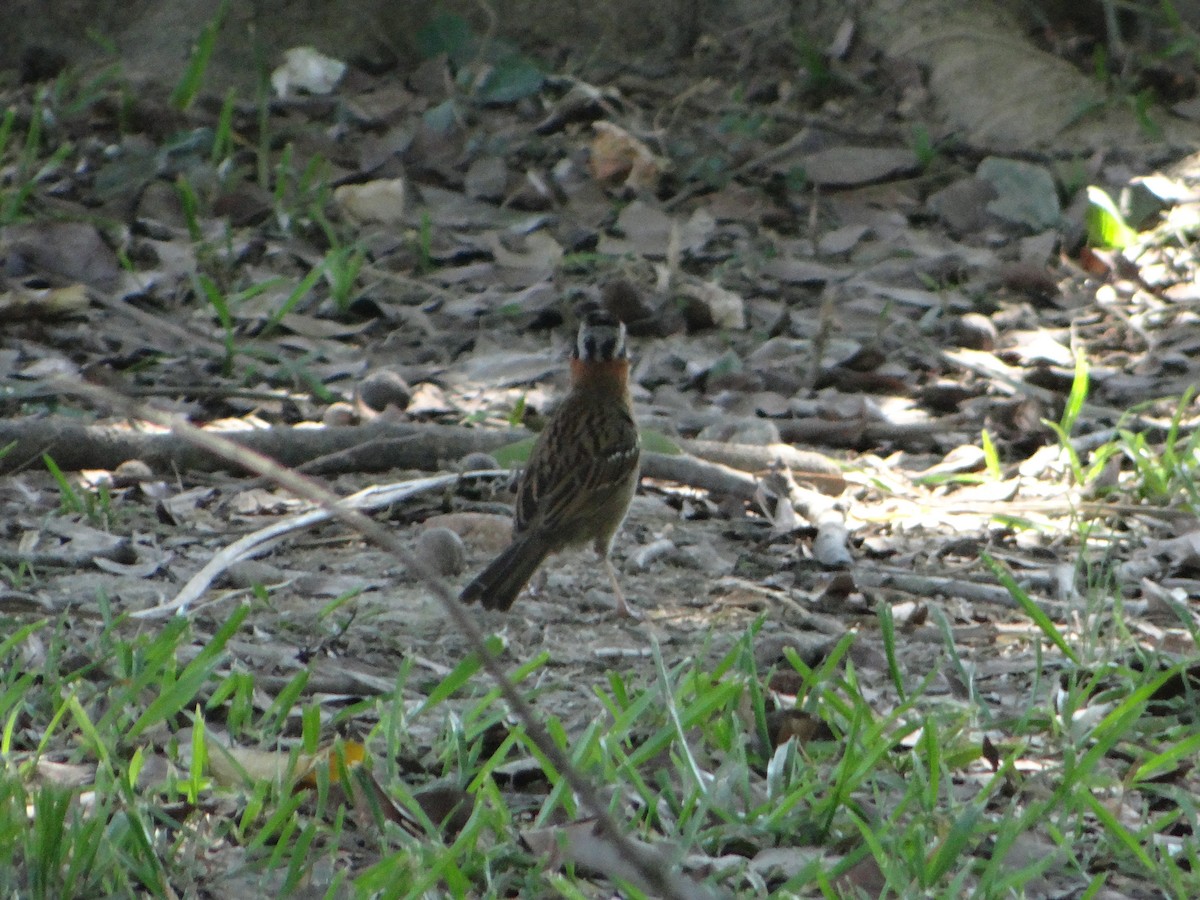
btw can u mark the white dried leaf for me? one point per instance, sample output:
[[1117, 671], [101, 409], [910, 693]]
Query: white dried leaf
[[307, 69]]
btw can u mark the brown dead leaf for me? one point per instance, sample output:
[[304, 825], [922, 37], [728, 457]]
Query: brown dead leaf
[[233, 766], [446, 805], [582, 103], [381, 202], [782, 863], [864, 879], [838, 589], [369, 796], [990, 753], [339, 757], [785, 724], [721, 307], [262, 502], [988, 491], [850, 166], [842, 240], [183, 507], [244, 204], [792, 270], [910, 614], [617, 157], [486, 179], [23, 302], [963, 458], [777, 506], [314, 327], [241, 766], [647, 228], [540, 255], [151, 560], [583, 844], [344, 763], [1180, 552], [67, 775], [427, 400], [73, 251], [78, 541]]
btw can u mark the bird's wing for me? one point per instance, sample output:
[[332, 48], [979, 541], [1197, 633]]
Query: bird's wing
[[558, 487]]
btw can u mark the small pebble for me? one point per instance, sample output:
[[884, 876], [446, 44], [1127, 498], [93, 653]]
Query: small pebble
[[473, 462], [485, 533], [383, 388], [443, 550], [339, 414], [622, 298], [130, 473], [975, 331]]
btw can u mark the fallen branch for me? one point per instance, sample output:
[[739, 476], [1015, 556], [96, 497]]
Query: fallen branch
[[386, 446], [378, 447]]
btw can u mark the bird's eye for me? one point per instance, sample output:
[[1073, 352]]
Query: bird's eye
[[601, 342]]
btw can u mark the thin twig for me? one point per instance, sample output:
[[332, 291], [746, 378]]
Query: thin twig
[[258, 542]]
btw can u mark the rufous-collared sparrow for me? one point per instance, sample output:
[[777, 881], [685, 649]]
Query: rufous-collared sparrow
[[582, 471]]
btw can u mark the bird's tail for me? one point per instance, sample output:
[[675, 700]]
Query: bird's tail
[[497, 586]]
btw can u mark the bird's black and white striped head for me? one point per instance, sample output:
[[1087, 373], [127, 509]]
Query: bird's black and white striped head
[[601, 338]]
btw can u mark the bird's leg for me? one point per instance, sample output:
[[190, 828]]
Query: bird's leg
[[623, 608]]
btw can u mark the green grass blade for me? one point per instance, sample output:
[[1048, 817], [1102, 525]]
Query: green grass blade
[[1029, 607], [178, 695], [193, 76]]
